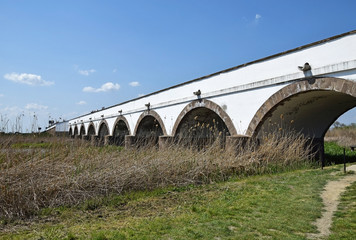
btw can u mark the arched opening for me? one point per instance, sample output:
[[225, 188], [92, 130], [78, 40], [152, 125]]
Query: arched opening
[[202, 121], [103, 131], [201, 127], [75, 131], [82, 131], [310, 113], [91, 130], [341, 135], [70, 133], [308, 107], [148, 131], [120, 131]]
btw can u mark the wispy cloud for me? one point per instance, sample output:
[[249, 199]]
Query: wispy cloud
[[2, 95], [114, 70], [27, 78], [109, 86], [257, 18], [81, 103], [134, 84], [86, 72], [35, 106]]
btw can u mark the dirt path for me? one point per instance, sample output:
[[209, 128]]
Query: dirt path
[[331, 197]]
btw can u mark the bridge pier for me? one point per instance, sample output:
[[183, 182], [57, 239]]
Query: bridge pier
[[317, 145]]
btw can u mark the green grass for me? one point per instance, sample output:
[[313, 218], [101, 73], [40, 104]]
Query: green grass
[[334, 154], [275, 206], [31, 145], [344, 221]]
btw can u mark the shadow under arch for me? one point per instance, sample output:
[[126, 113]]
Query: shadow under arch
[[201, 122], [75, 131], [82, 130], [91, 129], [309, 107], [70, 132], [148, 128], [120, 130], [203, 103]]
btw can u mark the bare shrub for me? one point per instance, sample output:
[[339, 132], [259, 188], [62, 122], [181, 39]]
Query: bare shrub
[[68, 172], [342, 136]]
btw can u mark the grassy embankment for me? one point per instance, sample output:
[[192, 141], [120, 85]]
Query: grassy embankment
[[69, 190]]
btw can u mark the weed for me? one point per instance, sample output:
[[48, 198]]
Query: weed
[[42, 172]]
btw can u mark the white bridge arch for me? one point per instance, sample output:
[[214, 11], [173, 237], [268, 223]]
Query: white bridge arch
[[311, 86]]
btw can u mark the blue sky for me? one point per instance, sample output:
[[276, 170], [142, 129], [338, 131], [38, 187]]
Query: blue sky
[[60, 59]]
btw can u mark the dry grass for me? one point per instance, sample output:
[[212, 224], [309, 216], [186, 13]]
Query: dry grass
[[50, 172], [342, 136]]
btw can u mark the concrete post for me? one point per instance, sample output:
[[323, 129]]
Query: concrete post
[[130, 141], [165, 141]]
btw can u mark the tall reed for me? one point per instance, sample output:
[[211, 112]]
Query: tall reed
[[48, 172]]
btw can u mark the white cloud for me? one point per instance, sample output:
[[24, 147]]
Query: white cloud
[[81, 102], [257, 18], [134, 84], [141, 95], [27, 78], [2, 95], [104, 88], [35, 106], [86, 72]]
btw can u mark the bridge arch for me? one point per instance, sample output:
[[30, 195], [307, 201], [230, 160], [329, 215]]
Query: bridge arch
[[207, 107], [91, 129], [309, 106], [82, 130], [103, 131], [75, 133], [120, 130], [149, 127], [70, 131], [201, 122]]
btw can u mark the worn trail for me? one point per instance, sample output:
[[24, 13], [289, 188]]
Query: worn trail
[[331, 197]]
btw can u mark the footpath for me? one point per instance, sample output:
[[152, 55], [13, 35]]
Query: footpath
[[331, 197]]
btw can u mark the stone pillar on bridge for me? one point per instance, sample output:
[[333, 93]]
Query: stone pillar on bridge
[[234, 143], [317, 147], [130, 141], [165, 141]]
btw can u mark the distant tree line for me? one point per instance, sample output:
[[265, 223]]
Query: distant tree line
[[337, 124]]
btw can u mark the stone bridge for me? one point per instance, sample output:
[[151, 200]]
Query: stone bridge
[[304, 90]]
